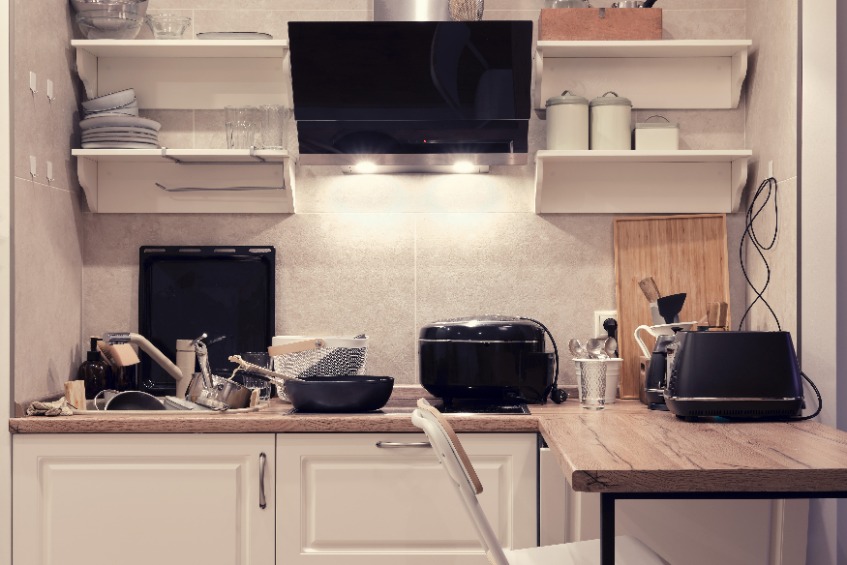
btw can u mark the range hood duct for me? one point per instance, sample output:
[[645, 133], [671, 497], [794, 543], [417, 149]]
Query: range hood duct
[[411, 94]]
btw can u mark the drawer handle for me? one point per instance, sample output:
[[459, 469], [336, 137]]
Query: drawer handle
[[398, 444], [263, 461]]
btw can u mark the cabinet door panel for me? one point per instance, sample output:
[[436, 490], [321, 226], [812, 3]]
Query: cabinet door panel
[[142, 499], [343, 500]]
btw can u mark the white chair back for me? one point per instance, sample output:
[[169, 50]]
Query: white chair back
[[451, 454]]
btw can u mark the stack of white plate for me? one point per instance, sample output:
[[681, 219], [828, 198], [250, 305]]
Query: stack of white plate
[[119, 131]]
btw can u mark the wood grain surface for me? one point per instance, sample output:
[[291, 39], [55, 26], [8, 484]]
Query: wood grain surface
[[657, 452], [683, 254]]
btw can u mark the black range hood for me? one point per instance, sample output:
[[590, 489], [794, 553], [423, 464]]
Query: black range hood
[[411, 93]]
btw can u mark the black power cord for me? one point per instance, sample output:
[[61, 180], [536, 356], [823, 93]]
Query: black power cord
[[770, 185], [557, 395]]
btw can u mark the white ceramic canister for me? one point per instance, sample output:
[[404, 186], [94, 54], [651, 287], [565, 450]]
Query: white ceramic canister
[[567, 122], [610, 122], [657, 136]]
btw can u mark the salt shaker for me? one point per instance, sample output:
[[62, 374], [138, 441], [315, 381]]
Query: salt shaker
[[567, 122], [610, 122]]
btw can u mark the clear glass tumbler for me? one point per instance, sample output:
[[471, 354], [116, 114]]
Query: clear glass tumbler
[[592, 383], [251, 381], [273, 126], [242, 126]]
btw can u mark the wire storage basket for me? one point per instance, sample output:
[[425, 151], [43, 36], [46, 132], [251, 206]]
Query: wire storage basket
[[321, 357], [466, 10]]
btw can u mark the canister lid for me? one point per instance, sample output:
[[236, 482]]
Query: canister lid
[[613, 100], [657, 125], [483, 329], [567, 97]]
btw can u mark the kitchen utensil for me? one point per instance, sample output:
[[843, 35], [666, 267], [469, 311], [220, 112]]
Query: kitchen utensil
[[657, 136], [596, 348], [687, 252], [110, 101], [670, 307], [109, 23], [656, 331], [610, 122], [325, 357], [354, 393], [611, 327], [567, 122], [650, 289], [610, 346], [131, 400], [577, 349], [223, 393], [592, 383], [648, 3], [168, 26], [138, 7]]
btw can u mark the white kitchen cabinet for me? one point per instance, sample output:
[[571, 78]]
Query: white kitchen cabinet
[[662, 75], [142, 499], [187, 75], [342, 500]]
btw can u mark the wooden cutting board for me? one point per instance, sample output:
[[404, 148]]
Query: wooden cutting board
[[683, 254]]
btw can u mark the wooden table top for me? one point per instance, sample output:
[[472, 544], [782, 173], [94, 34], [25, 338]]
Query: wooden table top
[[651, 452]]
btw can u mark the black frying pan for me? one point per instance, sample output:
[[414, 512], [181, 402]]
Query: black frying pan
[[354, 393]]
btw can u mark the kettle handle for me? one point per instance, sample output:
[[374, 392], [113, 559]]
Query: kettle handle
[[640, 342]]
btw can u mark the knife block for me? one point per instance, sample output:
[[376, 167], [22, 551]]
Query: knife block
[[600, 23]]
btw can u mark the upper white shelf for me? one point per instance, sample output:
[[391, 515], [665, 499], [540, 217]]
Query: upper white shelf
[[270, 48], [186, 180], [661, 74], [187, 74], [663, 182]]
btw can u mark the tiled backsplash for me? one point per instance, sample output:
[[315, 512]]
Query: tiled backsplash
[[379, 254]]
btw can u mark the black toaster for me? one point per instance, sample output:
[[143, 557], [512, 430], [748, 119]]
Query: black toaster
[[735, 375]]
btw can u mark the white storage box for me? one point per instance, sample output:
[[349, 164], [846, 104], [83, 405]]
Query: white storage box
[[657, 136]]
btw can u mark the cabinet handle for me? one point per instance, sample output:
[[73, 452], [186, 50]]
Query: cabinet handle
[[263, 460], [395, 444]]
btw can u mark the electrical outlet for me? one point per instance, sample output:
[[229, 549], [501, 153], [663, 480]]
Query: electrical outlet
[[599, 317]]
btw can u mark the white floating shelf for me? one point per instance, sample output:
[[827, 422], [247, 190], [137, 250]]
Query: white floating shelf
[[187, 74], [685, 181], [206, 180], [270, 48], [661, 74]]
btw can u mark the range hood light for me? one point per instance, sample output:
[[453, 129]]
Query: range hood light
[[365, 167], [464, 167]]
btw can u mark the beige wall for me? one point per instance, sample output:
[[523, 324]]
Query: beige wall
[[381, 254], [772, 133], [46, 219]]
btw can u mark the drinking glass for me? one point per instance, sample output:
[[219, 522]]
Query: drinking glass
[[242, 126], [273, 126], [251, 381], [592, 383]]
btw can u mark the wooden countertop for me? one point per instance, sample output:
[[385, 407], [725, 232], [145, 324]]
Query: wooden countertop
[[624, 448]]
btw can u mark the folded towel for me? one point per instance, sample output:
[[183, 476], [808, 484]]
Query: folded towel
[[56, 408]]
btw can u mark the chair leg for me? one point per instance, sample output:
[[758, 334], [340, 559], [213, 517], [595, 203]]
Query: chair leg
[[607, 529]]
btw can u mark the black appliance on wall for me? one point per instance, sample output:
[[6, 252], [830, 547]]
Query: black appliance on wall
[[184, 291], [411, 93], [494, 359]]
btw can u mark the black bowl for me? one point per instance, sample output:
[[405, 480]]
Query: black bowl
[[347, 393]]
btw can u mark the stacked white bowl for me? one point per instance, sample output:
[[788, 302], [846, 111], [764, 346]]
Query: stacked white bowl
[[112, 122]]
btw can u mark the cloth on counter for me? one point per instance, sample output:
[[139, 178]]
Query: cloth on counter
[[56, 408]]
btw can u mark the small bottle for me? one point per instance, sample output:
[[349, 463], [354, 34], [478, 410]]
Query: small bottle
[[94, 372]]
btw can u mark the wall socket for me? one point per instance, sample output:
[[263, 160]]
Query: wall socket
[[599, 317]]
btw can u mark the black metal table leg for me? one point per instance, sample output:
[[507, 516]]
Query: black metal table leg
[[607, 529]]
